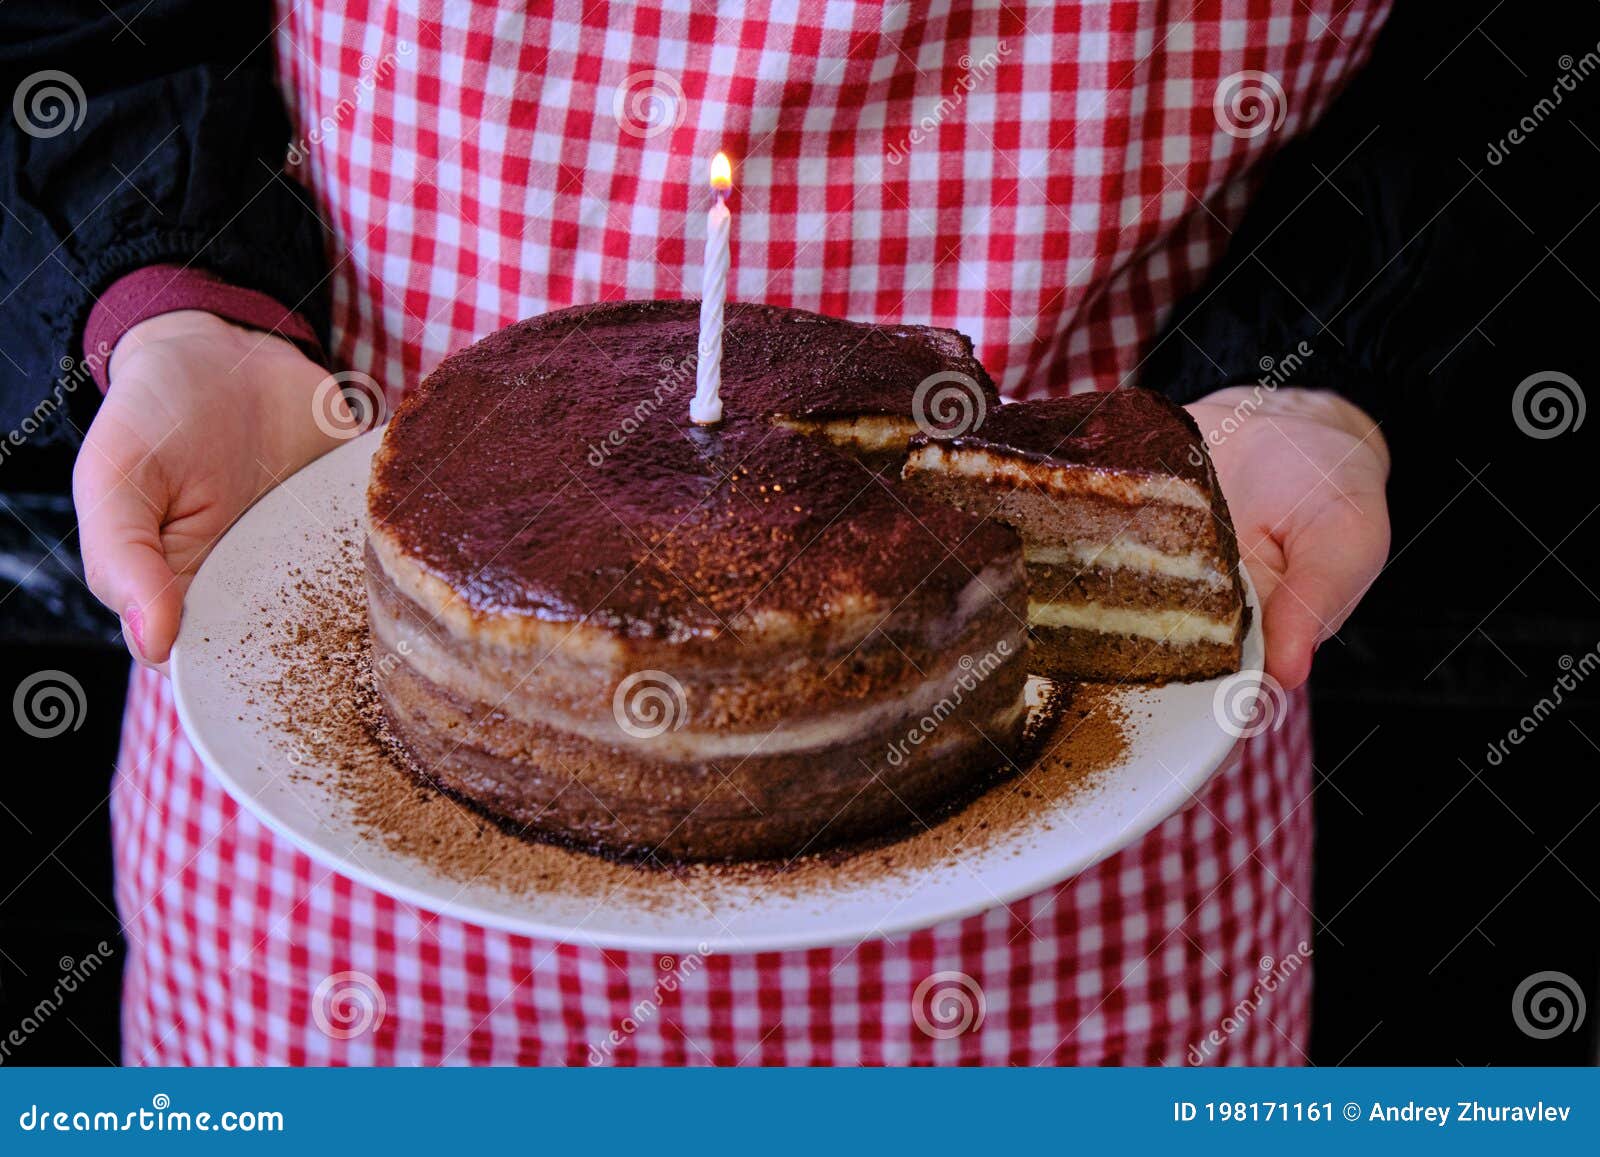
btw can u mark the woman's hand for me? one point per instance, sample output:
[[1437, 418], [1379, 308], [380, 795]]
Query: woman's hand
[[1303, 472], [201, 418]]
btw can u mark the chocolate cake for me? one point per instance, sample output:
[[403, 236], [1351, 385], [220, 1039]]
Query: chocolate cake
[[606, 626], [1133, 569], [603, 625]]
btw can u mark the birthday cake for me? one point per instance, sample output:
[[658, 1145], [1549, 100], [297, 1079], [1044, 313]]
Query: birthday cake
[[606, 626]]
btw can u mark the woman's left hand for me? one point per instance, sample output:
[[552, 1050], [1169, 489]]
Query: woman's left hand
[[1304, 473]]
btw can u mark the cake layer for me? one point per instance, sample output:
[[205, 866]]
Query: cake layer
[[1043, 504], [747, 700], [1129, 588], [976, 457], [1129, 436], [549, 474], [623, 800], [1097, 656]]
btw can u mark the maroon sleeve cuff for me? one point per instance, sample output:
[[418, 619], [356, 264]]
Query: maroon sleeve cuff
[[158, 289]]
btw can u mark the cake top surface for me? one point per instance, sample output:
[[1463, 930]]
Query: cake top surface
[[1127, 430], [551, 470]]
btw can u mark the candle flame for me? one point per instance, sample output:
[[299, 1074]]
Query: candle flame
[[721, 173]]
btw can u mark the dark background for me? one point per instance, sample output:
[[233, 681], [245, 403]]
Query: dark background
[[55, 831], [1443, 880]]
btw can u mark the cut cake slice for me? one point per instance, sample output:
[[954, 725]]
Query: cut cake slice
[[1132, 564]]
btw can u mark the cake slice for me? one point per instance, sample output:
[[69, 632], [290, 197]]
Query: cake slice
[[1132, 564]]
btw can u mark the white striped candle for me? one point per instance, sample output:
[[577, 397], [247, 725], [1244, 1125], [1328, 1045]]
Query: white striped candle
[[706, 408]]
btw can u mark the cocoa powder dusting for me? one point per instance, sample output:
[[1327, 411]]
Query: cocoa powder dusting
[[310, 669]]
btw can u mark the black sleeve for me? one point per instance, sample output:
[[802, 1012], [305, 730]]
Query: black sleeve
[[1416, 237], [139, 132]]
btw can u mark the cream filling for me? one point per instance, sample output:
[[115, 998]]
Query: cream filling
[[1177, 628], [871, 432], [1196, 566], [935, 458]]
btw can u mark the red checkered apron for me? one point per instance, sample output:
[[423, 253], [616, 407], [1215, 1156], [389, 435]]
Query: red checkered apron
[[1047, 177]]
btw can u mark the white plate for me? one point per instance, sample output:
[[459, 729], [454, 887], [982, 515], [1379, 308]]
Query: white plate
[[1177, 745]]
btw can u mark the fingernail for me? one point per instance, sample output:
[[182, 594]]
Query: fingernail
[[135, 624]]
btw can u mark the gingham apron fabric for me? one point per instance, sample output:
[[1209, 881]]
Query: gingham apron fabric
[[1047, 177]]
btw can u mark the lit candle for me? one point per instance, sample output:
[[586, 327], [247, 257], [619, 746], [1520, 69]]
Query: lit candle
[[706, 409]]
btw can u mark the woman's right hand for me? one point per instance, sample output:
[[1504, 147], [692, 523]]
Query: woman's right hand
[[201, 418]]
